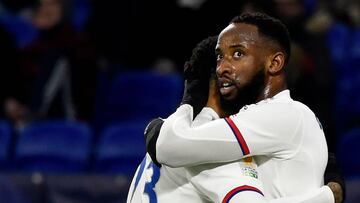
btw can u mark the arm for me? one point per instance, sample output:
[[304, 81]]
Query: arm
[[207, 114], [238, 186], [259, 130], [246, 193], [321, 195]]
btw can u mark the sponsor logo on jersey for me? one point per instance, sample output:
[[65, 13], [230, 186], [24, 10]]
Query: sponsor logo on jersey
[[249, 168], [249, 171]]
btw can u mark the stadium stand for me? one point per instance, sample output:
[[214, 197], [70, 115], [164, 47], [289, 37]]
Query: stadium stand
[[5, 144], [89, 188], [120, 148], [54, 146], [131, 97]]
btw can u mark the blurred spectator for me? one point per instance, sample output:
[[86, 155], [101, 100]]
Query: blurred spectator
[[337, 22], [58, 69]]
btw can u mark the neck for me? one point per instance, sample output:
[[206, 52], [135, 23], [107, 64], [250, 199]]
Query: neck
[[273, 85]]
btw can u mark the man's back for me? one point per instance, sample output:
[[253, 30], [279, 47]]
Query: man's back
[[161, 185]]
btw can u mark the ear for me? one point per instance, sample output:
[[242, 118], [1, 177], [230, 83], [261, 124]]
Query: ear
[[276, 62]]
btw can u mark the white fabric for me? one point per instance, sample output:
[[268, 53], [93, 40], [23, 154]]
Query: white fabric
[[284, 136], [210, 182]]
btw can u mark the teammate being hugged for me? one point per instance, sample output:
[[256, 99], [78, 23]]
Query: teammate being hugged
[[155, 183]]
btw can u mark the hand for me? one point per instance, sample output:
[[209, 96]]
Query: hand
[[195, 94], [334, 179], [151, 134], [337, 191], [197, 71], [214, 97]]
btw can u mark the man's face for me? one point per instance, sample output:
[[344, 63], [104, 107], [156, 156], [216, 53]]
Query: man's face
[[241, 55]]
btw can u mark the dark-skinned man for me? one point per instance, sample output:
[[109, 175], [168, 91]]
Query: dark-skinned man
[[284, 136]]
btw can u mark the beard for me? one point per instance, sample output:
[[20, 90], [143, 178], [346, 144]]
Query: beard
[[246, 95]]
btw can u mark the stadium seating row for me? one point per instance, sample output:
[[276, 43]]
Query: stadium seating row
[[112, 144], [136, 96], [344, 46], [62, 147]]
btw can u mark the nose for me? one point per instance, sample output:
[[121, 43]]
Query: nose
[[222, 68]]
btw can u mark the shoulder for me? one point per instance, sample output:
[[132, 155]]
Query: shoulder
[[271, 108], [271, 115]]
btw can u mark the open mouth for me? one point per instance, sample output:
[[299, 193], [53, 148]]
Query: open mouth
[[226, 87]]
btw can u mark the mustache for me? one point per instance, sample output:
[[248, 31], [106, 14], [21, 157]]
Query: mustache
[[246, 95]]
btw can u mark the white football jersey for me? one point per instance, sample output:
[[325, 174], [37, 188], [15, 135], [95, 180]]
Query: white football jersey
[[220, 182], [199, 184], [152, 184], [283, 135], [235, 182]]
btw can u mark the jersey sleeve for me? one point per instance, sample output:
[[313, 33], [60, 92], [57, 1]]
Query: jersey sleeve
[[206, 115], [247, 193], [237, 182], [259, 130]]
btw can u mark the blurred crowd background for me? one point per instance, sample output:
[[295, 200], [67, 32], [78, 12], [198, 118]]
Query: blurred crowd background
[[81, 78]]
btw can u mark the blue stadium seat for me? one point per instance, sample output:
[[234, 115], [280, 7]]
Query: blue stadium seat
[[355, 72], [338, 41], [23, 31], [344, 45], [54, 147], [120, 148], [143, 95], [99, 112], [5, 143], [348, 152], [81, 13], [355, 46]]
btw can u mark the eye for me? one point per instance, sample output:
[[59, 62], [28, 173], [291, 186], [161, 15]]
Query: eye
[[237, 54], [219, 57]]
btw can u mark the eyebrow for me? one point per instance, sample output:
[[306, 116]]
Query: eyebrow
[[234, 46], [237, 46]]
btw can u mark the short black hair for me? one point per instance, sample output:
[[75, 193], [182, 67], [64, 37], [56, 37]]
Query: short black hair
[[199, 69], [202, 62], [269, 27]]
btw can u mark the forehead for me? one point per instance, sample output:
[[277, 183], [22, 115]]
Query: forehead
[[239, 34]]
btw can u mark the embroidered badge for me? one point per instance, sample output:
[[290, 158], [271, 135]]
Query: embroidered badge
[[251, 172], [249, 168]]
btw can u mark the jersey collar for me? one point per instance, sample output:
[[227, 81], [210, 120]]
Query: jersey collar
[[285, 94]]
